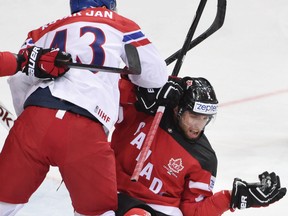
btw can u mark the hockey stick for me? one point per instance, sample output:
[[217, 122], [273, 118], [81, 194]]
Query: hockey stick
[[188, 38], [134, 66], [217, 24], [6, 117], [156, 121], [147, 143]]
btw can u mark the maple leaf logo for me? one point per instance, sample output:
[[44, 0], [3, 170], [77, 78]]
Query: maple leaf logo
[[175, 165]]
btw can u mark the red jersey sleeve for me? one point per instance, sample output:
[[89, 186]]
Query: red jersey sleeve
[[214, 205], [8, 64]]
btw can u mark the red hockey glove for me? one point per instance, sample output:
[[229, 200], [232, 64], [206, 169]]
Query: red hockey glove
[[267, 191], [40, 63]]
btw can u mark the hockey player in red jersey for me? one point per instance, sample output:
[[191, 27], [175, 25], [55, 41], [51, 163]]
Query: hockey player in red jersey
[[64, 119], [179, 173]]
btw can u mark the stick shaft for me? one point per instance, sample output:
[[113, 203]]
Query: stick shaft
[[188, 38], [217, 24], [96, 68], [147, 143], [134, 64]]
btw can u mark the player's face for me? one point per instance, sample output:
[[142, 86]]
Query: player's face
[[192, 124]]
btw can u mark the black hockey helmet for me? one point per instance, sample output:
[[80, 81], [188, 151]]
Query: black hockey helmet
[[199, 97]]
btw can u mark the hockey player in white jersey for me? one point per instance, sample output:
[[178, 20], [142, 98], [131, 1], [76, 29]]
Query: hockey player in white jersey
[[63, 118]]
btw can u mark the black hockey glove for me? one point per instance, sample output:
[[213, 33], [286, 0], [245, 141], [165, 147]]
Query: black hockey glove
[[146, 100], [267, 191], [170, 94], [149, 99], [38, 62]]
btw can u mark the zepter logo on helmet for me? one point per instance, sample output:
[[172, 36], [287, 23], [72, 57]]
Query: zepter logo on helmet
[[199, 96], [78, 5]]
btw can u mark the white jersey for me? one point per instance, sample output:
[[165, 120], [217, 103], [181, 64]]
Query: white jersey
[[93, 36]]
